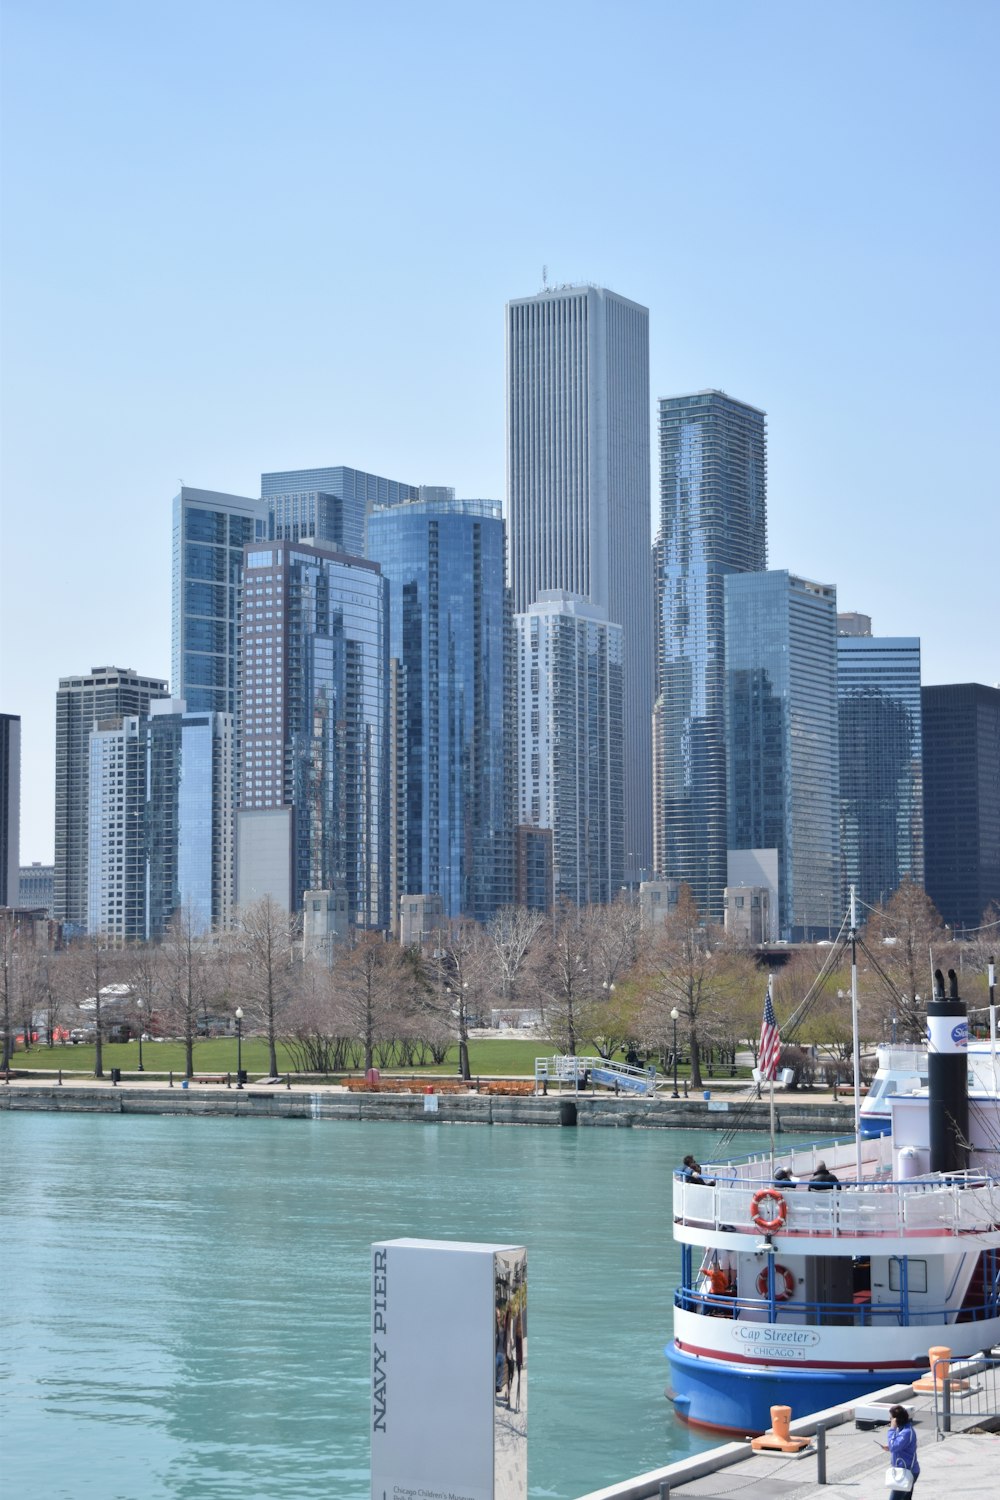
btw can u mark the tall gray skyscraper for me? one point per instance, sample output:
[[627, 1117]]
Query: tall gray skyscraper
[[781, 733], [578, 491], [881, 761], [10, 809], [100, 699], [713, 521]]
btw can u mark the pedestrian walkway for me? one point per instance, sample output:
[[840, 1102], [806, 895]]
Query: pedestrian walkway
[[962, 1465]]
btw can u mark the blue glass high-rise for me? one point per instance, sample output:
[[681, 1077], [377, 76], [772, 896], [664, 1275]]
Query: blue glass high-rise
[[881, 764], [781, 739], [713, 522], [451, 633]]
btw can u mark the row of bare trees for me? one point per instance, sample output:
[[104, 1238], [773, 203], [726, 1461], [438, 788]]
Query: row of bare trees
[[595, 978]]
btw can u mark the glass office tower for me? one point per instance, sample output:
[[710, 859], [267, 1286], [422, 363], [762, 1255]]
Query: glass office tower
[[781, 734], [210, 531], [10, 809], [570, 755], [713, 522], [881, 764], [578, 491], [313, 730], [961, 735], [451, 636], [330, 506]]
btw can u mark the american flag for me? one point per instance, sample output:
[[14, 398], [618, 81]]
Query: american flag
[[770, 1041]]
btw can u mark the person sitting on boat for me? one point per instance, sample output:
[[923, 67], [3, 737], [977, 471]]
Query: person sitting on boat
[[692, 1173], [784, 1179], [902, 1448], [822, 1178]]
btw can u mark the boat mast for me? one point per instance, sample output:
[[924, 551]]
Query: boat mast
[[856, 1035]]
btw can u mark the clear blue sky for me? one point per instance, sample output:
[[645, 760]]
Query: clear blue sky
[[246, 236]]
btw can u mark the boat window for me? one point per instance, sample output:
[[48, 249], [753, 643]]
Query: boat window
[[916, 1275], [877, 1086]]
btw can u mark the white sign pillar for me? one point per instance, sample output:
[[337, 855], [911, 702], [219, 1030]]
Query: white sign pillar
[[449, 1409]]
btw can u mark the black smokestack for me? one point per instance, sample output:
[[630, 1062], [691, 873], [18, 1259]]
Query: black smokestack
[[948, 1077]]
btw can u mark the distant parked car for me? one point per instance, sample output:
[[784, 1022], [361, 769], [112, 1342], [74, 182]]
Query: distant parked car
[[83, 1034]]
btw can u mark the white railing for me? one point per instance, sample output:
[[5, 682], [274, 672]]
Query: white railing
[[579, 1071], [966, 1204]]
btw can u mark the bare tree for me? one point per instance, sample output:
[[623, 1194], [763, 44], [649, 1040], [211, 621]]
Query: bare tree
[[511, 932], [681, 975], [905, 938], [8, 983], [92, 965], [264, 946], [563, 973], [373, 981], [193, 979], [457, 969]]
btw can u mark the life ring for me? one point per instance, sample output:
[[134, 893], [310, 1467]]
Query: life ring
[[784, 1283], [780, 1209]]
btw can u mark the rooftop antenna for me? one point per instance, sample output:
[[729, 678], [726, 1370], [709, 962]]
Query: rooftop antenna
[[545, 278]]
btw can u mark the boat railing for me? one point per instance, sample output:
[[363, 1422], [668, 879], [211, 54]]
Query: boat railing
[[826, 1314], [964, 1203]]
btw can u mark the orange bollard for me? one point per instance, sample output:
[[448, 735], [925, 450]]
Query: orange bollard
[[940, 1357], [779, 1440]]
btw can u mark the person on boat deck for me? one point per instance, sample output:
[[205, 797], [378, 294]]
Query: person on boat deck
[[902, 1448], [783, 1178], [719, 1285], [691, 1172], [823, 1178]]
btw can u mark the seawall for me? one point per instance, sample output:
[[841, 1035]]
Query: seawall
[[792, 1114]]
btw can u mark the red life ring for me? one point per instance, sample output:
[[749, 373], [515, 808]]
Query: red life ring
[[784, 1283], [780, 1209]]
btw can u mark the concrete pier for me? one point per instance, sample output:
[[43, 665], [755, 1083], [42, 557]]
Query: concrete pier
[[794, 1113]]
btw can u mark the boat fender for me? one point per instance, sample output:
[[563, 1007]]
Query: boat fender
[[780, 1209], [784, 1283]]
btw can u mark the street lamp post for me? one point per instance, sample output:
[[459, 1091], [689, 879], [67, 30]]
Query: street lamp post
[[239, 1046], [138, 1006], [675, 1016]]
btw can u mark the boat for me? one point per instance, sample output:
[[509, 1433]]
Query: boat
[[901, 1069], [807, 1293]]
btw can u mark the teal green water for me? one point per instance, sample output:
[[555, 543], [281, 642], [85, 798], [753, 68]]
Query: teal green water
[[186, 1301]]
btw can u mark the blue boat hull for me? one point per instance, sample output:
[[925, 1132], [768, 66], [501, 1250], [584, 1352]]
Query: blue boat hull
[[738, 1398]]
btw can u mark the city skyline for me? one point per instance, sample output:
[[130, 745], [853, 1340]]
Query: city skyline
[[162, 324]]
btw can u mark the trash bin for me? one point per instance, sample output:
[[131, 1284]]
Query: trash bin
[[707, 1094], [241, 1076], [116, 1075]]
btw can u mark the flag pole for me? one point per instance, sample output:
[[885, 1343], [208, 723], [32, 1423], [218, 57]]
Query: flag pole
[[771, 1071], [857, 1035]]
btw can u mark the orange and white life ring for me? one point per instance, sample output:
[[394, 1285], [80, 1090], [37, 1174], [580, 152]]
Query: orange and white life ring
[[780, 1209], [784, 1283]]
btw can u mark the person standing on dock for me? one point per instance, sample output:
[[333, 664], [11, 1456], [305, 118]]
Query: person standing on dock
[[902, 1448]]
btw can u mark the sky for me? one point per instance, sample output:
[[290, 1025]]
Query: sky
[[257, 235]]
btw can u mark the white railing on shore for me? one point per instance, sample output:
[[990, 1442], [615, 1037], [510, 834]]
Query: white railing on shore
[[581, 1071]]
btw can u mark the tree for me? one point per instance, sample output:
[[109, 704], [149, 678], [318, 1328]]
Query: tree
[[92, 965], [191, 977], [264, 947], [564, 977], [457, 968], [900, 938], [609, 1018], [8, 987], [373, 982], [681, 975], [511, 932]]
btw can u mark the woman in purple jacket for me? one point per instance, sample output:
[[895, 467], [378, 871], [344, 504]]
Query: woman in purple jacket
[[902, 1447]]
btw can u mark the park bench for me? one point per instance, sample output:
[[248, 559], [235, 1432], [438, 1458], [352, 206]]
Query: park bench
[[211, 1078]]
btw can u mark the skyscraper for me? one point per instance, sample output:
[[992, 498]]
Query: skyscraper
[[104, 697], [210, 532], [881, 763], [569, 692], [10, 809], [313, 730], [451, 636], [781, 734], [330, 506], [161, 823], [578, 490], [961, 734], [189, 819], [713, 522]]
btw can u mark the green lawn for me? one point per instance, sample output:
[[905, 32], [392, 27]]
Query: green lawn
[[504, 1057]]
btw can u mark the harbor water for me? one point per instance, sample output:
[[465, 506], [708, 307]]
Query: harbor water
[[186, 1301]]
